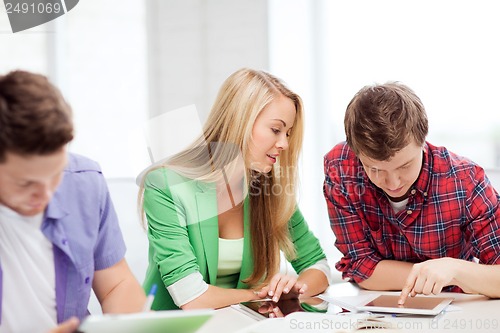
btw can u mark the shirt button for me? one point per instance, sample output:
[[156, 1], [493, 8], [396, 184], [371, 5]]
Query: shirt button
[[64, 241], [413, 191], [409, 212], [425, 194], [87, 280]]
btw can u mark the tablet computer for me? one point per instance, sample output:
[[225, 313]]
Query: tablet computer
[[418, 305], [172, 321], [261, 309]]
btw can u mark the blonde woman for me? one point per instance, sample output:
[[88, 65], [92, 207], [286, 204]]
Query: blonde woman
[[219, 212]]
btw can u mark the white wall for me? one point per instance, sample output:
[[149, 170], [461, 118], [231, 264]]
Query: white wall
[[445, 50], [195, 44], [96, 55]]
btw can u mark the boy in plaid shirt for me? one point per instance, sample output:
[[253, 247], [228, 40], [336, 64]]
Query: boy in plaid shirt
[[408, 215]]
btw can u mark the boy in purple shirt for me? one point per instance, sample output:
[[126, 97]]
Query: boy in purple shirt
[[59, 233]]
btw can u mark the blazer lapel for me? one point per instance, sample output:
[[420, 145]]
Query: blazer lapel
[[247, 263], [206, 202]]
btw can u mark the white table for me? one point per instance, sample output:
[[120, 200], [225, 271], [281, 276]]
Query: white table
[[474, 313], [226, 320]]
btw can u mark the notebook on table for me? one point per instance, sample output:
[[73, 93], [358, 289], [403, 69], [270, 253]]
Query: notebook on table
[[173, 321]]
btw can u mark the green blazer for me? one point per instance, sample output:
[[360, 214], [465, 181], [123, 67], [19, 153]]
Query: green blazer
[[183, 234]]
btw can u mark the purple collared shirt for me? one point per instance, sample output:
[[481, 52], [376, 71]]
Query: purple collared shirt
[[82, 225]]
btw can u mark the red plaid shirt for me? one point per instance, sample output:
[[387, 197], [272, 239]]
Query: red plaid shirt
[[452, 211]]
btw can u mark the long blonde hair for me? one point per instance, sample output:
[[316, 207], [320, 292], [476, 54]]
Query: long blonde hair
[[272, 196]]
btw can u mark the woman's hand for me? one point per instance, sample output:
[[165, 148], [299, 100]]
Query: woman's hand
[[283, 287], [271, 309]]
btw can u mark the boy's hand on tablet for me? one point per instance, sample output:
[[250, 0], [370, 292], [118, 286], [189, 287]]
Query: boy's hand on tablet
[[429, 277]]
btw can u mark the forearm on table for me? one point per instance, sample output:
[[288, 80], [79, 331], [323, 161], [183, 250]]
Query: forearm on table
[[316, 281], [216, 297], [478, 278], [388, 275]]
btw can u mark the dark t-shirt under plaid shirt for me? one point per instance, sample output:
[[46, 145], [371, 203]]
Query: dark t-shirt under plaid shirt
[[452, 211]]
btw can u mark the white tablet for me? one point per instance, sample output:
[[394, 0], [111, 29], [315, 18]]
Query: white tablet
[[172, 321], [418, 305]]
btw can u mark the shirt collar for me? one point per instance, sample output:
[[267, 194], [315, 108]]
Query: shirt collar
[[54, 231], [423, 180], [55, 209]]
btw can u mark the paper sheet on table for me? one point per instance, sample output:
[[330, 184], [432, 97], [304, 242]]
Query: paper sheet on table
[[308, 322], [350, 303]]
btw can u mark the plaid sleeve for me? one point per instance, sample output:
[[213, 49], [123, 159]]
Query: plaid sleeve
[[359, 256], [483, 227]]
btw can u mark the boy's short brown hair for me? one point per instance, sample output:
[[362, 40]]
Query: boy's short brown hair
[[34, 117], [382, 119]]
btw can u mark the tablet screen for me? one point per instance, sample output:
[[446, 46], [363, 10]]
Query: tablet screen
[[413, 305], [262, 309]]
